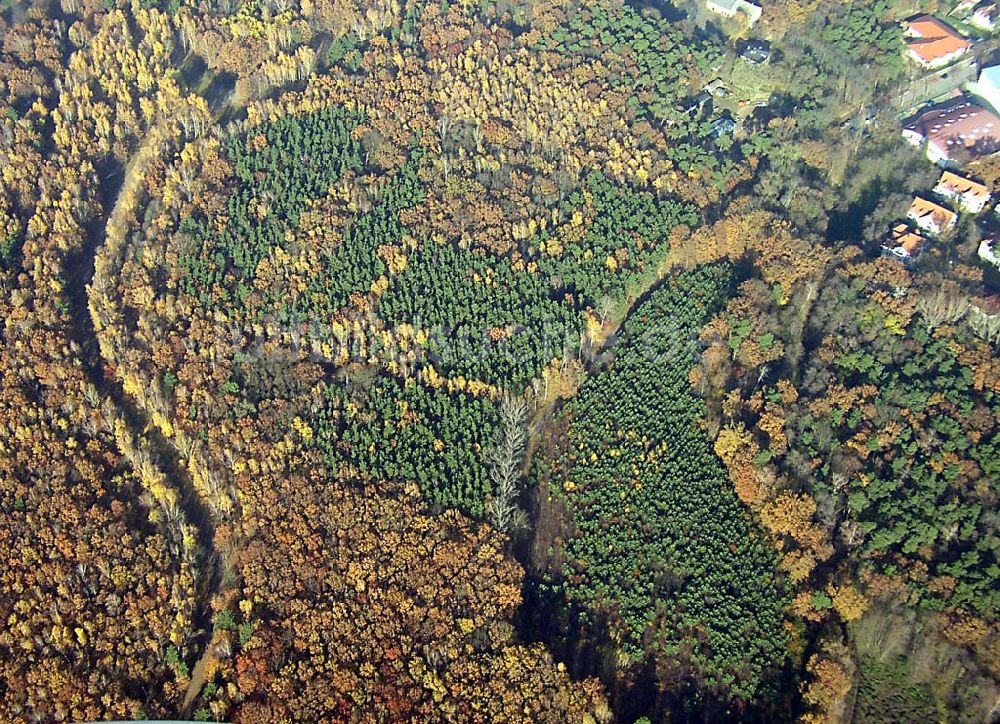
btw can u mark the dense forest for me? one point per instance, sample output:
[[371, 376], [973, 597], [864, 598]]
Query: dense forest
[[487, 361]]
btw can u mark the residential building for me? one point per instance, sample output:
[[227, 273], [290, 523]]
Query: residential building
[[729, 8], [930, 217], [988, 252], [755, 51], [932, 43], [970, 195], [723, 127], [904, 244], [959, 126], [988, 86], [985, 16], [695, 105], [717, 88]]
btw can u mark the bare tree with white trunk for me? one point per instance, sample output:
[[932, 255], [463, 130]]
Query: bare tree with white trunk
[[506, 458], [941, 307], [987, 326]]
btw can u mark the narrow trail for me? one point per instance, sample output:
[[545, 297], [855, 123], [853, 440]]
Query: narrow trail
[[118, 184], [79, 273]]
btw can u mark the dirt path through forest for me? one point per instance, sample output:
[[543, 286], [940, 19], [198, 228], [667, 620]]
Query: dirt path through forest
[[79, 272], [84, 295]]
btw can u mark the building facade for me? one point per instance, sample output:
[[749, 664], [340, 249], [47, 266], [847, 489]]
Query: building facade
[[955, 128], [932, 43], [969, 195]]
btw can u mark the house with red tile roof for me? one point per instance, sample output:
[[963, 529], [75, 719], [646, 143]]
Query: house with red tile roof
[[930, 217], [904, 244], [932, 43], [971, 196], [952, 128]]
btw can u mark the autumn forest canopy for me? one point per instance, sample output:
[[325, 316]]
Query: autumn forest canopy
[[484, 362]]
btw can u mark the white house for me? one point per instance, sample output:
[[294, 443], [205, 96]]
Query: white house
[[729, 8], [904, 244], [930, 217], [970, 195]]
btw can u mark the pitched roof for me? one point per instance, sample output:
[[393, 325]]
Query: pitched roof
[[716, 86], [922, 209], [958, 122], [905, 238], [756, 51], [962, 186], [931, 39]]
